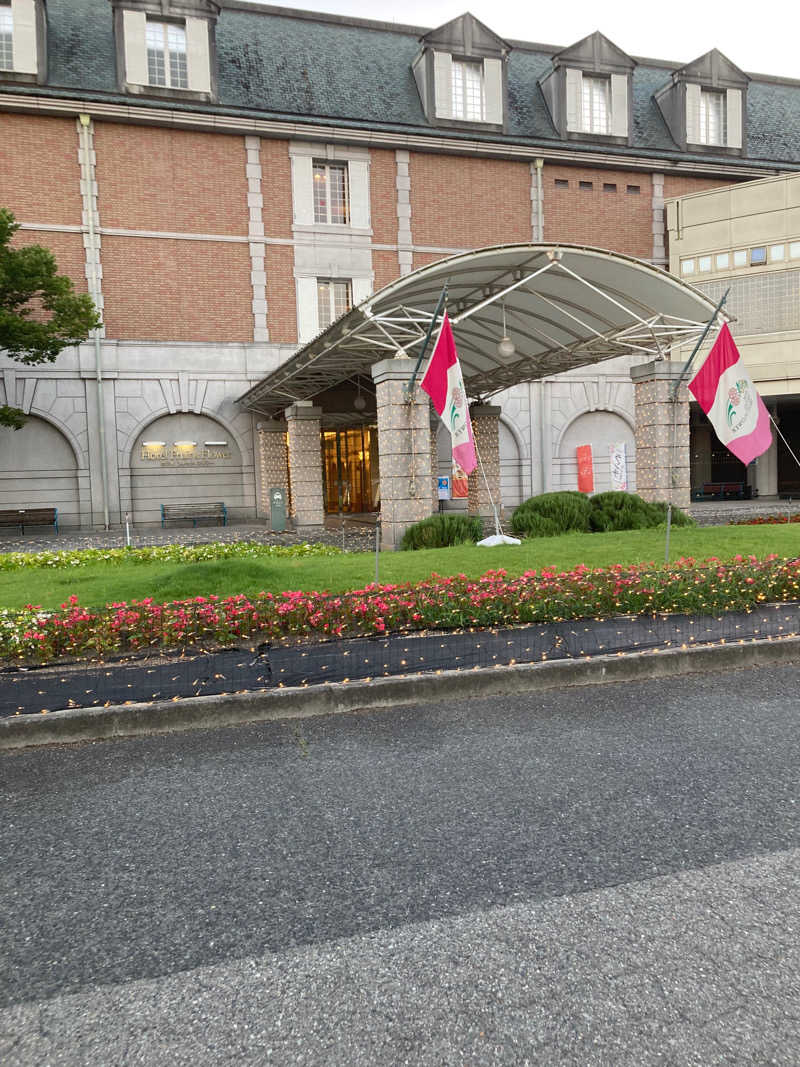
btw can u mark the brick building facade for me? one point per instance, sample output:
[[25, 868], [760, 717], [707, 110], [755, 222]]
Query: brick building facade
[[219, 174]]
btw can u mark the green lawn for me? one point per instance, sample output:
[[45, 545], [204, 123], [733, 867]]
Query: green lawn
[[100, 583]]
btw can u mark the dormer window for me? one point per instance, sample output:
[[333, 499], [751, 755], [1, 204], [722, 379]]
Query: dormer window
[[588, 90], [6, 38], [166, 55], [712, 116], [705, 104], [22, 40], [595, 100], [167, 46], [467, 84], [460, 74]]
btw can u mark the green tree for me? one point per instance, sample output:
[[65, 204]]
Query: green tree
[[40, 312]]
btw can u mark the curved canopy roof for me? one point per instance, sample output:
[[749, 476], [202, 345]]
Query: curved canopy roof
[[565, 306]]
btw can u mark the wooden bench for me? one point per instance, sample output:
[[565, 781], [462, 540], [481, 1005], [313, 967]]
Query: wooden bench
[[170, 512], [23, 517], [724, 491]]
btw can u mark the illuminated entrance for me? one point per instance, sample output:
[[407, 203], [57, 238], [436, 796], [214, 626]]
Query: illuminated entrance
[[521, 313], [350, 470]]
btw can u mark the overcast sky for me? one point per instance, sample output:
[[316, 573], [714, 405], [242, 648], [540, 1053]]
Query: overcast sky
[[761, 37]]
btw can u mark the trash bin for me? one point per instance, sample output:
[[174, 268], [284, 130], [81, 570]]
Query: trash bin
[[277, 510]]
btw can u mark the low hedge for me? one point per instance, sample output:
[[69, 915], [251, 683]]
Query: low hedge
[[70, 560], [551, 514], [443, 531], [626, 511]]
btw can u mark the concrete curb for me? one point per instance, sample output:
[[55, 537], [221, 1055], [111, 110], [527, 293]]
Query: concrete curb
[[230, 709]]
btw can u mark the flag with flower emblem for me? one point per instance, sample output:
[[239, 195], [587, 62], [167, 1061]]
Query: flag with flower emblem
[[444, 384], [725, 392]]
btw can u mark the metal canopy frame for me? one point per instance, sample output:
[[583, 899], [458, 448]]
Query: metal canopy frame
[[566, 306]]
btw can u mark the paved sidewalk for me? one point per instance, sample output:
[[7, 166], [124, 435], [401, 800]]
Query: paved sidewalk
[[598, 877], [721, 512]]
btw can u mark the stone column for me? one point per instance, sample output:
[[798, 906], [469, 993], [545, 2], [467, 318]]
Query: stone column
[[766, 465], [304, 425], [662, 433], [273, 463], [486, 430], [404, 449], [435, 465]]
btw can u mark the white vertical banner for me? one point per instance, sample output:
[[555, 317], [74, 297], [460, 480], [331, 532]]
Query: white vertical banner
[[619, 467]]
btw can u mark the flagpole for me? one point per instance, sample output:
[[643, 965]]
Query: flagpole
[[700, 340], [675, 389], [426, 342]]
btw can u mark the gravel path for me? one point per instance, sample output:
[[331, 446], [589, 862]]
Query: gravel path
[[358, 537]]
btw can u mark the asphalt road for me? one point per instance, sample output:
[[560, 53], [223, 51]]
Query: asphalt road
[[604, 875]]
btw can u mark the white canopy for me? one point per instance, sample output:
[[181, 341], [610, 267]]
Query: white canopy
[[565, 306]]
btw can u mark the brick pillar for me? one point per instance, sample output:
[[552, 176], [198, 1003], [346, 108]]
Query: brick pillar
[[404, 449], [662, 433], [273, 462], [303, 423], [486, 430]]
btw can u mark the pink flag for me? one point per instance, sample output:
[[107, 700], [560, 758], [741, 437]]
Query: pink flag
[[725, 392], [445, 386]]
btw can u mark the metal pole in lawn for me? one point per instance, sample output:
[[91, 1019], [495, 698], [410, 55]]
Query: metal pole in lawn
[[377, 546], [675, 389]]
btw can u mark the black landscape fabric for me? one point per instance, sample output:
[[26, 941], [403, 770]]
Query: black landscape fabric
[[26, 690]]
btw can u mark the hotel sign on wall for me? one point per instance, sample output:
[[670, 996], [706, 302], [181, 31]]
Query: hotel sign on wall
[[184, 453]]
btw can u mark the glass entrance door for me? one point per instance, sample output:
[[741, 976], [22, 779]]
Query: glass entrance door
[[348, 465]]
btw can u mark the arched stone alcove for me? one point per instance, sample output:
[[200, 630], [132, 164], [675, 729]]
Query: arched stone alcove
[[38, 468], [600, 429], [185, 458]]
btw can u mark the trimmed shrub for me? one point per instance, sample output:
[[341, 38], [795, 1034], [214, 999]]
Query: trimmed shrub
[[443, 530], [551, 514], [626, 511]]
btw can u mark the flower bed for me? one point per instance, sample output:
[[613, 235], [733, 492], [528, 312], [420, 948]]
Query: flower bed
[[766, 520], [32, 635], [12, 561]]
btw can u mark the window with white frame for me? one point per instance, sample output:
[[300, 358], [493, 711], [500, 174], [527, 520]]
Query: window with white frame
[[166, 55], [712, 117], [331, 194], [334, 297], [6, 38], [595, 105], [468, 91]]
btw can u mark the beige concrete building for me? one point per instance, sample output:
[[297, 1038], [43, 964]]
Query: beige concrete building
[[747, 238]]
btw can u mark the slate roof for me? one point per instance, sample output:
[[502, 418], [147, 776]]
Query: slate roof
[[323, 69]]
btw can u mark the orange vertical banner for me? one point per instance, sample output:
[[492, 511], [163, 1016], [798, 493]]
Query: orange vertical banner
[[585, 469]]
